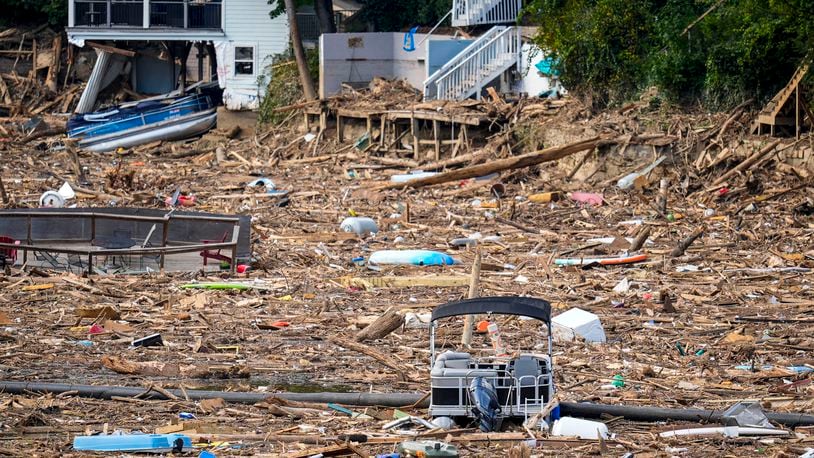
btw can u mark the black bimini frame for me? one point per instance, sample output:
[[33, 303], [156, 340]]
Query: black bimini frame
[[495, 305]]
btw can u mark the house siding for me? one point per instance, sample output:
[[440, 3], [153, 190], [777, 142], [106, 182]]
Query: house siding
[[247, 23]]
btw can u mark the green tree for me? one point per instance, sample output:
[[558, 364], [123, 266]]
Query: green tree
[[55, 12], [610, 49]]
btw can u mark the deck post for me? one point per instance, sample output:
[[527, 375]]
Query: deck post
[[109, 10], [71, 13], [145, 14], [186, 14]]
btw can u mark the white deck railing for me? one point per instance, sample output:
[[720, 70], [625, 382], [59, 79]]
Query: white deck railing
[[476, 12], [478, 64]]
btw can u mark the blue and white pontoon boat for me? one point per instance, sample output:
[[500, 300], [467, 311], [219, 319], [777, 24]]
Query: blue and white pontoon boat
[[129, 125]]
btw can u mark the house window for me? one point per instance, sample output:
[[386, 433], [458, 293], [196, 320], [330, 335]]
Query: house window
[[244, 60]]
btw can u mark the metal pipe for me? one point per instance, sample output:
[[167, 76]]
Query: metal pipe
[[106, 392], [578, 409], [637, 413]]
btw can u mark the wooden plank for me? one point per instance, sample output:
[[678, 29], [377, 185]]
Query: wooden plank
[[110, 49], [440, 281]]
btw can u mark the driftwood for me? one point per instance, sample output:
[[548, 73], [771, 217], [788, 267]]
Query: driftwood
[[640, 239], [384, 325], [684, 244], [746, 164], [516, 162], [373, 353]]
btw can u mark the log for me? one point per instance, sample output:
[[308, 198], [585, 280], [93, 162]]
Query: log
[[5, 93], [746, 164], [640, 239], [516, 162], [110, 49], [53, 69], [375, 354], [3, 193], [474, 288], [662, 200], [684, 244], [384, 325]]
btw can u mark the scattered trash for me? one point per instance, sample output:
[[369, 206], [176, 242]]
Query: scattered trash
[[726, 431], [587, 198], [627, 181], [153, 340], [746, 414], [361, 226], [577, 322], [544, 197], [605, 261], [411, 176], [622, 287], [426, 449], [57, 199], [416, 320], [577, 427], [497, 342]]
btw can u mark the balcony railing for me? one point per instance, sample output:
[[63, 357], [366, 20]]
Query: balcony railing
[[177, 14], [309, 24]]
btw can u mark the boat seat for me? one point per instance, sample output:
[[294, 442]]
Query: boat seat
[[456, 364]]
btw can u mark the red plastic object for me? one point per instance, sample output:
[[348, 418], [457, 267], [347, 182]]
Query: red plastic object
[[483, 327], [242, 268], [281, 324], [183, 201], [723, 191], [96, 329]]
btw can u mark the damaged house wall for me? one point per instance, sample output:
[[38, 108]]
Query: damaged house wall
[[250, 27], [357, 58]]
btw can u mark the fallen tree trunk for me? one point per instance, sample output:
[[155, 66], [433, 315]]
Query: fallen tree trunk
[[516, 162]]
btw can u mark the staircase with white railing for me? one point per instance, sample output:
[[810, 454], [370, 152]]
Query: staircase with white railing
[[477, 12], [483, 61]]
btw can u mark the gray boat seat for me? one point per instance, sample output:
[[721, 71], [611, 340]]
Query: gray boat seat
[[456, 364]]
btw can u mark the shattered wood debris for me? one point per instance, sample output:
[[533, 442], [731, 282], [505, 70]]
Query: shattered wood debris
[[718, 312]]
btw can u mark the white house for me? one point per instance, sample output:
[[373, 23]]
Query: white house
[[152, 42]]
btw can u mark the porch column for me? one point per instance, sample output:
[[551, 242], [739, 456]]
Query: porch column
[[88, 99], [71, 13], [145, 14]]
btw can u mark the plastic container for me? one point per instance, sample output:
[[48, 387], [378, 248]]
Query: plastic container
[[411, 176], [497, 342], [577, 427], [411, 257], [361, 226]]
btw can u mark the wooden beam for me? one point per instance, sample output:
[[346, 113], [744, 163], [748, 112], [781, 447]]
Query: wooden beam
[[110, 49], [516, 162]]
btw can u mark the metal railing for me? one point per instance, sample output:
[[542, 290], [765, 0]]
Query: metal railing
[[480, 62], [89, 253], [476, 12], [183, 14], [309, 24]]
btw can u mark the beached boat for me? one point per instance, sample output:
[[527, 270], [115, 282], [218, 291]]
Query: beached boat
[[144, 122]]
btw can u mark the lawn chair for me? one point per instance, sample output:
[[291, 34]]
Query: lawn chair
[[215, 254], [8, 254]]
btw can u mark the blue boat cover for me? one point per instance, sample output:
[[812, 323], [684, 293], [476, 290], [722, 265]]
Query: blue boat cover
[[157, 443]]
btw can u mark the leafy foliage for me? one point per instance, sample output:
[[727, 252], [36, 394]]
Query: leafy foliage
[[396, 15], [611, 49], [55, 12], [284, 85]]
